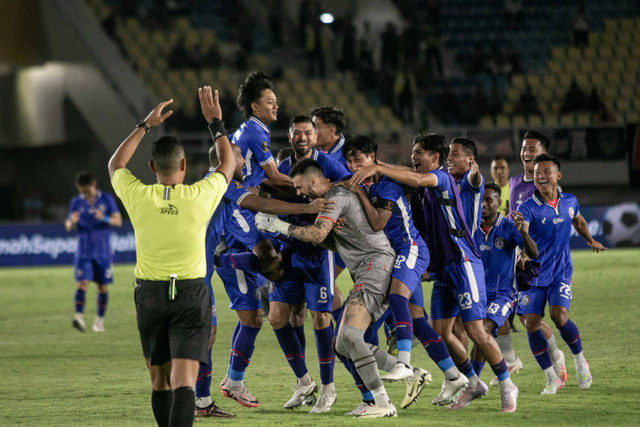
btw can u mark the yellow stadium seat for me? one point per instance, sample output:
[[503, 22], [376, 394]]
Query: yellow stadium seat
[[503, 121], [518, 121], [623, 105], [567, 120], [534, 121], [518, 81], [596, 79], [617, 65], [558, 52], [611, 25], [632, 117], [549, 81], [486, 122], [556, 67], [583, 119], [613, 78], [605, 52]]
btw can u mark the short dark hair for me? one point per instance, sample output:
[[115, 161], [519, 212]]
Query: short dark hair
[[84, 178], [251, 90], [500, 158], [547, 158], [300, 119], [306, 166], [544, 141], [331, 116], [435, 143], [363, 143], [468, 146], [166, 153], [494, 187]]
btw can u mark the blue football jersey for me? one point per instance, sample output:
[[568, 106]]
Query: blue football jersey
[[497, 251], [471, 198], [254, 139], [93, 234], [550, 228], [335, 152]]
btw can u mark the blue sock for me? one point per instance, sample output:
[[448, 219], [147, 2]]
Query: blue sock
[[337, 314], [433, 343], [103, 301], [290, 346], [79, 299], [301, 338], [500, 370], [326, 359], [203, 384], [477, 366], [390, 323], [234, 334], [399, 307], [242, 351], [247, 261], [466, 368], [570, 334], [371, 334], [540, 348], [349, 366]]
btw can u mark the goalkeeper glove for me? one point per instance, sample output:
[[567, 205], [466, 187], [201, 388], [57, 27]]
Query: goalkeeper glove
[[267, 222]]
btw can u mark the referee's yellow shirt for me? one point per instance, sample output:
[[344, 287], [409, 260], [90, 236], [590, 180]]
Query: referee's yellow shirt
[[504, 199], [169, 223]]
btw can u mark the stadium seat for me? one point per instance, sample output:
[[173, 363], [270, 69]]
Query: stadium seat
[[632, 117], [613, 78], [535, 121], [596, 79], [567, 120], [503, 121], [623, 105], [583, 119], [486, 122], [605, 51], [518, 121]]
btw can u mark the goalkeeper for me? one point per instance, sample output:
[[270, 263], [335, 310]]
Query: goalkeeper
[[368, 256]]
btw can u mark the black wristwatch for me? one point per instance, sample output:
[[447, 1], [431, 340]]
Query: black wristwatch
[[142, 124]]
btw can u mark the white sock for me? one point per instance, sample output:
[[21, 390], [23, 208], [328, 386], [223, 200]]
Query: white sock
[[553, 347], [506, 383], [404, 357], [550, 373], [329, 389], [506, 348], [473, 381], [203, 402], [234, 385], [305, 379], [579, 358], [380, 397], [452, 373]]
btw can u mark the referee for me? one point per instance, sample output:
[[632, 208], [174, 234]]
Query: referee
[[170, 220]]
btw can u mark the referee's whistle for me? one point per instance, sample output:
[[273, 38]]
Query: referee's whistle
[[172, 287]]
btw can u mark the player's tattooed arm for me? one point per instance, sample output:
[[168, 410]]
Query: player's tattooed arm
[[314, 233], [580, 224]]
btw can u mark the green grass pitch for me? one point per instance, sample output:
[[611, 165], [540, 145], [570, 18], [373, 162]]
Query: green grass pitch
[[53, 375]]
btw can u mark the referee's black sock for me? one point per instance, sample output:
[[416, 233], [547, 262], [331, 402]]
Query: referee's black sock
[[161, 404], [183, 406]]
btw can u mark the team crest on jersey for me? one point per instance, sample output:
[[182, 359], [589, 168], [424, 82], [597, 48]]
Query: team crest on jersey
[[256, 295], [169, 210], [571, 212], [524, 300], [265, 146], [500, 243], [102, 207]]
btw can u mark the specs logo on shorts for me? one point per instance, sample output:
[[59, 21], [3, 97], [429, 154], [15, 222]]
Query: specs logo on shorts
[[169, 210]]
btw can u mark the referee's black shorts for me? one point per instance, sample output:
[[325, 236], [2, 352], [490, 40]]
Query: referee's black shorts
[[177, 329]]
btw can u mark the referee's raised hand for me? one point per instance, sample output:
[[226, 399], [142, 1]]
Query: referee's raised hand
[[156, 116], [209, 103]]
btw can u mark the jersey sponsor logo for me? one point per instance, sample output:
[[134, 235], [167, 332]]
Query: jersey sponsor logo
[[101, 207], [500, 243], [484, 247], [557, 220], [265, 146], [169, 210], [571, 212]]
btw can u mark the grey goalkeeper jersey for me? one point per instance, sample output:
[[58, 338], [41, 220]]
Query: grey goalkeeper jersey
[[356, 243]]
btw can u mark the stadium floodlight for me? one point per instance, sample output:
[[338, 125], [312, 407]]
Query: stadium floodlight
[[326, 18]]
